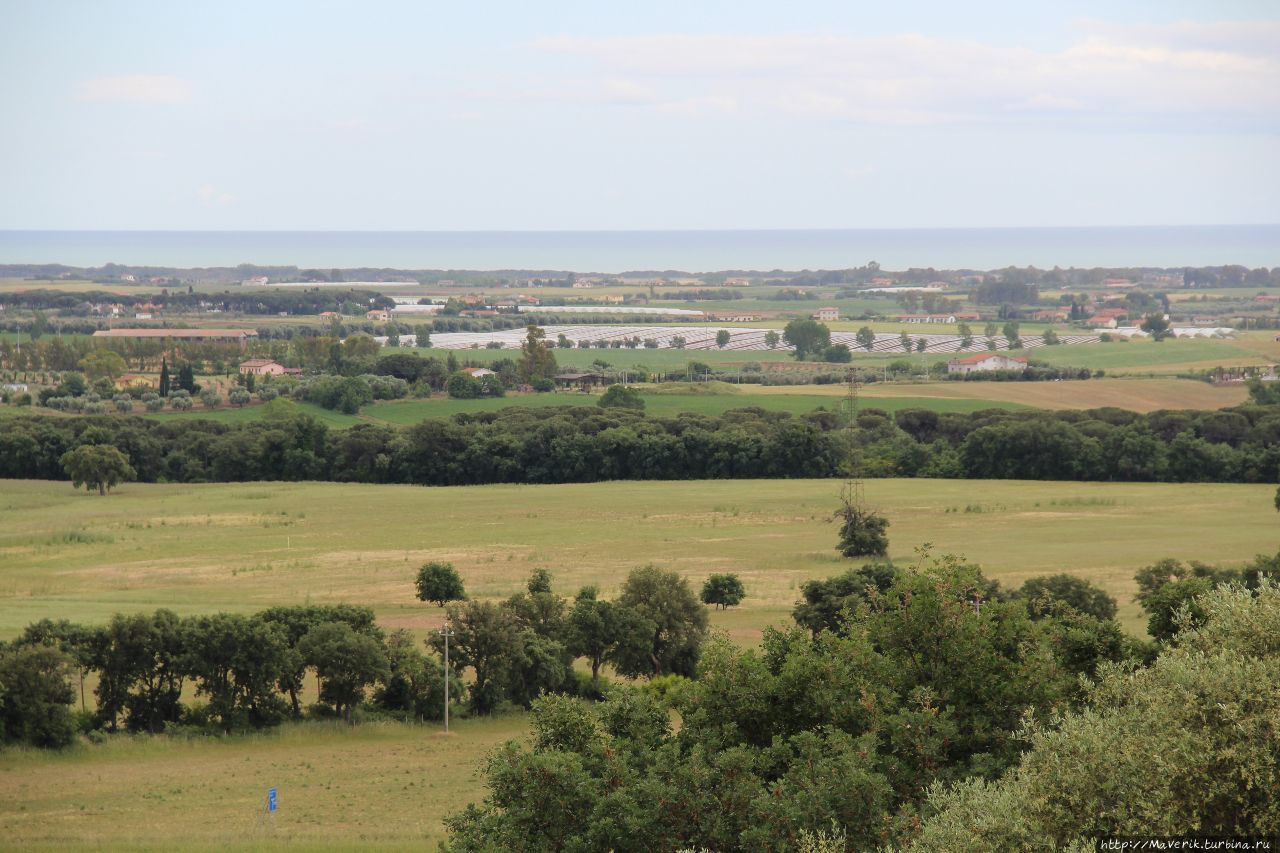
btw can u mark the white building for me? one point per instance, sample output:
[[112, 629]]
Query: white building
[[986, 361]]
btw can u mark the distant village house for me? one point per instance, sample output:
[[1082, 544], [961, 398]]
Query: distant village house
[[986, 361]]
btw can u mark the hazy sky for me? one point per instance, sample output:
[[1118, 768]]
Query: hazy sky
[[545, 115]]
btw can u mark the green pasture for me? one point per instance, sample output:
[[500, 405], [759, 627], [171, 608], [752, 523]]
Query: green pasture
[[202, 548], [379, 785]]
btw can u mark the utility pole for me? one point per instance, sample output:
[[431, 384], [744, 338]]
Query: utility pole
[[446, 632]]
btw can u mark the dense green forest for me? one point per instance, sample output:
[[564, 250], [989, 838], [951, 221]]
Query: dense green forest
[[589, 443]]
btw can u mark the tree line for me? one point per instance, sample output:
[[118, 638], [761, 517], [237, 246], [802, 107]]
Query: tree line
[[248, 672], [590, 443]]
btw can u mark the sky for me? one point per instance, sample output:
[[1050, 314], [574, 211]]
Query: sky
[[657, 115]]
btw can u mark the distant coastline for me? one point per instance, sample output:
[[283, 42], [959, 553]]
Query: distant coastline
[[685, 251]]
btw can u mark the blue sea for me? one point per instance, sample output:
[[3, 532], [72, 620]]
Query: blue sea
[[690, 251]]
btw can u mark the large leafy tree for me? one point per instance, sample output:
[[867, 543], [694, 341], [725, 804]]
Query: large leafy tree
[[237, 663], [486, 637], [598, 630], [440, 583], [140, 660], [97, 465], [807, 337], [103, 364], [35, 696], [297, 620], [347, 663], [723, 590], [679, 621]]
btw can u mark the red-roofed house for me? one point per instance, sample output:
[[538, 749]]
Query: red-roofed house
[[986, 361]]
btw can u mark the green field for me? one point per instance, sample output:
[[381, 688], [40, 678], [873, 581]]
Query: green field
[[79, 556], [384, 785]]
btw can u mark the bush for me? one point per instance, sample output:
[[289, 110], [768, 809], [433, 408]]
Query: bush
[[463, 386], [621, 397], [542, 385], [837, 354]]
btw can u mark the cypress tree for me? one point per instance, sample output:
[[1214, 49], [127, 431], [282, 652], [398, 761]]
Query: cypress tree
[[164, 378]]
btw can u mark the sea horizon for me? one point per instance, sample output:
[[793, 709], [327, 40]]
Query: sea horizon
[[693, 251]]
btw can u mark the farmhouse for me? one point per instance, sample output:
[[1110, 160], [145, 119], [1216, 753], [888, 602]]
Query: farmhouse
[[478, 372], [986, 361], [264, 367], [378, 316], [827, 314]]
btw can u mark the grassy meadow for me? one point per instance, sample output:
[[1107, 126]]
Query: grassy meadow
[[241, 547], [244, 546]]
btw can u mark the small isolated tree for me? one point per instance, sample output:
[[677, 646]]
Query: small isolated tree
[[862, 532], [866, 338], [440, 583], [966, 335], [1010, 332], [1050, 338], [772, 339], [211, 398], [98, 465], [904, 340], [621, 397], [722, 338], [723, 590], [1156, 325], [240, 397], [153, 401], [538, 361], [124, 403]]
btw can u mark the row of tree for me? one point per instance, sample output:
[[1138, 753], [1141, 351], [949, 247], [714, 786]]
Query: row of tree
[[587, 444], [249, 670]]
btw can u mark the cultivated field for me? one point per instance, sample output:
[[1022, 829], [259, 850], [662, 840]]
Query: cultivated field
[[1139, 395], [69, 554]]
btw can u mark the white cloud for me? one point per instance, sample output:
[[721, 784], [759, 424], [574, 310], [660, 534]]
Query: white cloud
[[211, 195], [138, 88], [1108, 75]]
